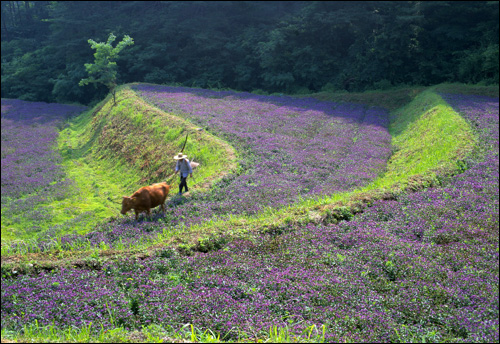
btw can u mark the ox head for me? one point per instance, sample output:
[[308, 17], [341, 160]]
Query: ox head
[[127, 204]]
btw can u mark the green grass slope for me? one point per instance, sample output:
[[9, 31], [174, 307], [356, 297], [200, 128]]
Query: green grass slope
[[140, 141], [429, 137], [112, 150]]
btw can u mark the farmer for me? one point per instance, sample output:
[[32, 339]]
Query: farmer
[[184, 166]]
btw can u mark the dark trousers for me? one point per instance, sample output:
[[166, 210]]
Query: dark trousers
[[183, 184]]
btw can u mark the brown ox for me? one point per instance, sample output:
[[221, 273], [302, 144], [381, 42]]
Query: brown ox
[[146, 198]]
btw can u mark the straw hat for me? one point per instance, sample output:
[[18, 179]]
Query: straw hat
[[180, 156]]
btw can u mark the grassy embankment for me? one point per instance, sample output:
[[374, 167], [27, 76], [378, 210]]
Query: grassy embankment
[[114, 150], [133, 144], [429, 138], [111, 151], [125, 146]]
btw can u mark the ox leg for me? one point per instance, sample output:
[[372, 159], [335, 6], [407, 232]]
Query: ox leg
[[136, 215]]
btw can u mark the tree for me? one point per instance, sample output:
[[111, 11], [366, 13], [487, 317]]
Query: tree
[[275, 46], [103, 70]]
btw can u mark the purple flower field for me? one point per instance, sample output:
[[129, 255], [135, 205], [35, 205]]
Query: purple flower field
[[289, 148], [29, 132], [31, 173], [423, 267]]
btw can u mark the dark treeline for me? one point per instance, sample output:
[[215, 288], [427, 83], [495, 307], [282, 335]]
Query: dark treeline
[[273, 46]]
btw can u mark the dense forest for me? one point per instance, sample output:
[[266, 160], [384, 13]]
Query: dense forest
[[267, 46]]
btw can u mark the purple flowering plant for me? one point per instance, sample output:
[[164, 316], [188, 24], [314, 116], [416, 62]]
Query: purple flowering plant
[[421, 267], [31, 171], [289, 149]]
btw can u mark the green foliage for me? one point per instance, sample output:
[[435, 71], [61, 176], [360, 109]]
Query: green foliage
[[480, 65], [104, 68], [156, 334], [18, 73], [293, 47]]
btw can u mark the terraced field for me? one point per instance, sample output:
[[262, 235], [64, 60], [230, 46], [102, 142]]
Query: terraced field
[[331, 221]]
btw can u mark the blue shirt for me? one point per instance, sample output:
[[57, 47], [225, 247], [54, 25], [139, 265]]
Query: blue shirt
[[184, 166]]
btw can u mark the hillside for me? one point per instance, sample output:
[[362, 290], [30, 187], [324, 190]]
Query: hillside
[[141, 141], [109, 152], [114, 149], [341, 222]]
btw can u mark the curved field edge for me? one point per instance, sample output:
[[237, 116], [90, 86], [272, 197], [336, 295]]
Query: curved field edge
[[153, 333], [430, 141], [142, 140], [422, 157], [112, 150]]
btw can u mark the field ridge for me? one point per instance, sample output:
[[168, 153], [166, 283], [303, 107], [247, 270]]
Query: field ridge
[[425, 108]]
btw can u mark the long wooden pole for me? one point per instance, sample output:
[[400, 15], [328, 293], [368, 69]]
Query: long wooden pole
[[182, 150]]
